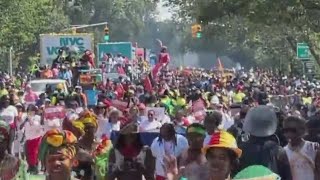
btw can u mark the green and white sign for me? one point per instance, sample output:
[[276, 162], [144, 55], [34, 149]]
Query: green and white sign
[[114, 48], [303, 51], [51, 43]]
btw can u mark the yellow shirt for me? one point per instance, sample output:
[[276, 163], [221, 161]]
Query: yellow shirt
[[306, 100], [3, 92], [238, 97]]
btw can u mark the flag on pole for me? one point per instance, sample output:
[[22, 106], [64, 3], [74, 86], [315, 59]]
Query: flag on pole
[[219, 65], [147, 84], [157, 68]]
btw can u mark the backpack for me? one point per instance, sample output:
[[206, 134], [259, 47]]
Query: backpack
[[263, 153]]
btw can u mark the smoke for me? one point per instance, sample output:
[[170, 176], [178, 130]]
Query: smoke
[[206, 60]]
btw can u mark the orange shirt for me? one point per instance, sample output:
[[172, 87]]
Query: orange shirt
[[47, 74]]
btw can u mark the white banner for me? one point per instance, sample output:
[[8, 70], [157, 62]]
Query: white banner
[[51, 43]]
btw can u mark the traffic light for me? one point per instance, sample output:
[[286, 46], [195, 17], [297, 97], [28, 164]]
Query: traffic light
[[196, 31], [106, 34]]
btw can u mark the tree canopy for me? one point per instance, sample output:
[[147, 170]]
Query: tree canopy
[[268, 28], [21, 22]]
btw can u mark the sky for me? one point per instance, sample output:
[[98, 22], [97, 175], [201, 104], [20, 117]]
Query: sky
[[164, 12]]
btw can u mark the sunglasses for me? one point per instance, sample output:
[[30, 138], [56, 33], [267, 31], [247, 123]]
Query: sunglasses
[[150, 114], [288, 130]]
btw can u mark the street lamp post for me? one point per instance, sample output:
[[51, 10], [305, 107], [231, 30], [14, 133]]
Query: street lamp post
[[10, 60]]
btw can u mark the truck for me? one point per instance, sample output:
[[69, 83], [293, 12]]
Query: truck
[[51, 43]]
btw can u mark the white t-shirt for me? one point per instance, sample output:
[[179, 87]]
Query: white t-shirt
[[112, 127], [102, 127], [119, 60], [8, 114], [147, 126], [33, 128], [227, 121], [169, 147], [302, 161]]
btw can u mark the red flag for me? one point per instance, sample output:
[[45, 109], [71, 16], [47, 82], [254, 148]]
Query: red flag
[[121, 70], [147, 84], [156, 69], [120, 91]]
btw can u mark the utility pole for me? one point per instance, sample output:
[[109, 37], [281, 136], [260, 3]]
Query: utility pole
[[10, 60]]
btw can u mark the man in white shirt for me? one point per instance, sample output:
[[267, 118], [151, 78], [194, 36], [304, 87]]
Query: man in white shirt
[[119, 60], [150, 124]]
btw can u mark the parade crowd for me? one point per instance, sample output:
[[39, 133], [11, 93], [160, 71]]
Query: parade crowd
[[169, 124]]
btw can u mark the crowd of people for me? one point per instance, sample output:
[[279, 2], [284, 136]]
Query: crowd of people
[[182, 124]]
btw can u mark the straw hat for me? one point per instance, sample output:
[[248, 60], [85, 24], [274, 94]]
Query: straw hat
[[223, 139]]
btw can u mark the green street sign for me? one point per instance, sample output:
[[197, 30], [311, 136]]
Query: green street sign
[[303, 51]]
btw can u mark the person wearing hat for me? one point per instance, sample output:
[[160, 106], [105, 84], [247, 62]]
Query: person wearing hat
[[191, 161], [58, 95], [262, 147], [57, 151], [85, 128], [130, 159], [9, 165], [222, 154]]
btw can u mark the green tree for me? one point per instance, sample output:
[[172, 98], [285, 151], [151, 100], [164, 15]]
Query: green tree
[[272, 28], [126, 19], [21, 22]]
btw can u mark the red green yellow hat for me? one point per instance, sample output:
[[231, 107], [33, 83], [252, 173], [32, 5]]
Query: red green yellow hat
[[223, 139]]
